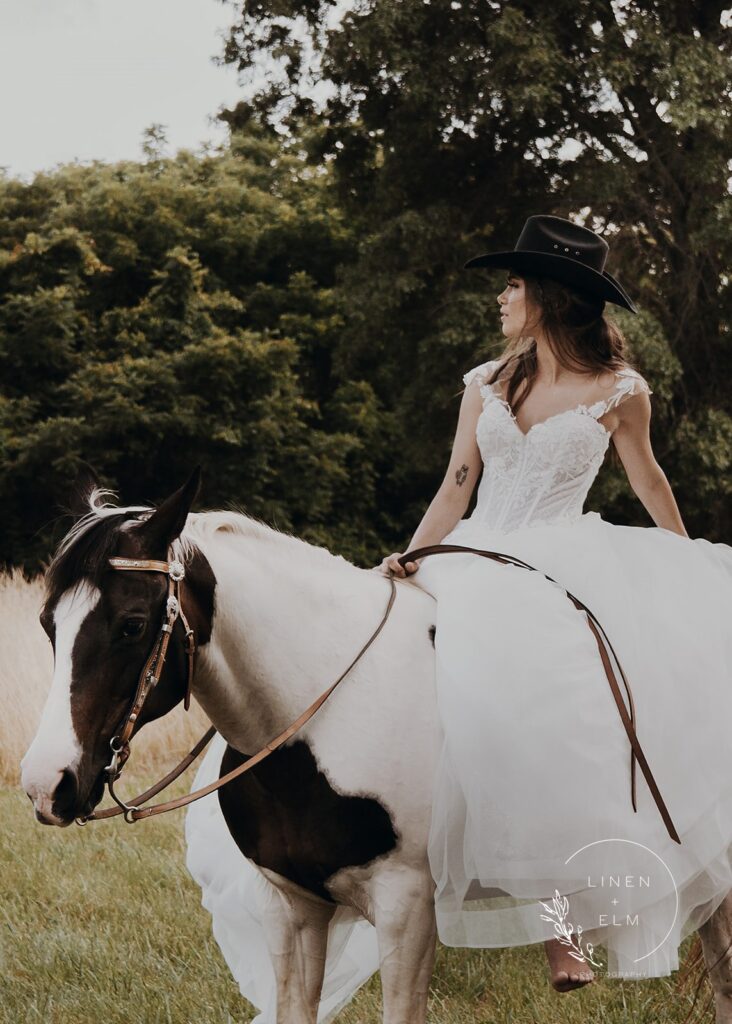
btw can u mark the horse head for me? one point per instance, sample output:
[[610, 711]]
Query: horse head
[[102, 624]]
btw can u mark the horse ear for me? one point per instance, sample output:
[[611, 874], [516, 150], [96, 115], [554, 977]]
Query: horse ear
[[160, 529], [84, 483]]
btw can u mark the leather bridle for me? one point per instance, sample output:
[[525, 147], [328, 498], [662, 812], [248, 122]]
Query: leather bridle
[[152, 669], [149, 678]]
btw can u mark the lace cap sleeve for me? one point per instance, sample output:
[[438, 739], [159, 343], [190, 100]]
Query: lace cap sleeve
[[482, 372], [628, 382]]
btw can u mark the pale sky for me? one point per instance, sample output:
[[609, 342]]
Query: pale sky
[[83, 78]]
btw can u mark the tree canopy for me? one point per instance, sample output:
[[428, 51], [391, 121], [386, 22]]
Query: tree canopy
[[448, 122], [291, 311], [178, 311]]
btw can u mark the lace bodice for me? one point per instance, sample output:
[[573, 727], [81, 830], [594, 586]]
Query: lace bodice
[[545, 474]]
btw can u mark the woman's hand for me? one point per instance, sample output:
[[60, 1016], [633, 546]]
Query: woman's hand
[[390, 562]]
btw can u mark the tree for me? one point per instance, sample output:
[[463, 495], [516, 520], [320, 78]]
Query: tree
[[153, 316], [450, 121]]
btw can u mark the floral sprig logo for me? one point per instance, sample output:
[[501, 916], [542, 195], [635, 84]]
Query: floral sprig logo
[[565, 932]]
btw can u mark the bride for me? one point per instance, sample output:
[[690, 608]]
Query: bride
[[536, 816]]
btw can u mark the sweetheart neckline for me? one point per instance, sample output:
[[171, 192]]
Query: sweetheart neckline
[[563, 412]]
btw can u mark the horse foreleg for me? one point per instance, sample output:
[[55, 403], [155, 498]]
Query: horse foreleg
[[716, 939], [404, 916], [296, 930]]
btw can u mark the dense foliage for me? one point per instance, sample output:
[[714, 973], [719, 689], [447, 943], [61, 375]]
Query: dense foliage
[[291, 312], [449, 122], [180, 311]]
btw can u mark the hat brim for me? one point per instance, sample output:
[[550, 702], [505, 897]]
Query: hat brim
[[560, 268]]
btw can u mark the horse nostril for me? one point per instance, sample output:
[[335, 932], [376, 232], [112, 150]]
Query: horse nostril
[[64, 795]]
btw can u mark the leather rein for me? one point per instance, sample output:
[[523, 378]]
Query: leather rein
[[153, 667]]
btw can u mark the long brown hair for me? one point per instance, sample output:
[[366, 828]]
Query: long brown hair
[[580, 335]]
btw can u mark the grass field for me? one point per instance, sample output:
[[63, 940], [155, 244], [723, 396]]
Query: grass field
[[104, 923]]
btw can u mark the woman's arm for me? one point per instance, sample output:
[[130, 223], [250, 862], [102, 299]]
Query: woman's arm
[[461, 475], [633, 444]]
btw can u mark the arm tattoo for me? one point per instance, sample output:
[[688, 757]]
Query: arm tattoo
[[461, 475]]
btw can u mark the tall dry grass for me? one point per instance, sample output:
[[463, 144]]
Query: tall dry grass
[[25, 676]]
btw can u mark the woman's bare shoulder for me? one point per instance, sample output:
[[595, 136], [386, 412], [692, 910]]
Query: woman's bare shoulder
[[612, 376]]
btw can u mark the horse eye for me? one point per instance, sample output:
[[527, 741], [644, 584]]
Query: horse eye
[[133, 627]]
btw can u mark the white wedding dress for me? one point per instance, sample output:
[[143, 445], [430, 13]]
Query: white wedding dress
[[532, 794], [533, 791]]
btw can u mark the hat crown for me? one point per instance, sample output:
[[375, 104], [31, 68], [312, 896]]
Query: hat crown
[[558, 237]]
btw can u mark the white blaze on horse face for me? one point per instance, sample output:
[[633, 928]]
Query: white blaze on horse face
[[56, 745]]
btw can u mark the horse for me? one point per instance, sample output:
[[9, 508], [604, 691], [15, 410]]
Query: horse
[[339, 816]]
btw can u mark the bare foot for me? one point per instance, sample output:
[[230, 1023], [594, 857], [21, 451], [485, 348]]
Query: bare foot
[[567, 973]]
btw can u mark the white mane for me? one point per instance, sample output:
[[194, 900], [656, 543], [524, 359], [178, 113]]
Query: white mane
[[221, 525], [97, 510]]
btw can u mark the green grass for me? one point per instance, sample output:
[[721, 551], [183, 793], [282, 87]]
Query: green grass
[[104, 924]]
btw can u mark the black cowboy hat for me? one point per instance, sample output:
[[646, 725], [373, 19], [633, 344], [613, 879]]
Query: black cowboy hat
[[556, 248]]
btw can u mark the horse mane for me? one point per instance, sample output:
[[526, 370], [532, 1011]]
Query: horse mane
[[203, 526], [83, 552]]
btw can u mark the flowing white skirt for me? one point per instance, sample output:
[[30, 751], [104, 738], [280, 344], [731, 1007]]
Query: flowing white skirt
[[238, 897], [532, 793], [532, 789]]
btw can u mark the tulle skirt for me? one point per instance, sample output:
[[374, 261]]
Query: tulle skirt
[[533, 831], [238, 897]]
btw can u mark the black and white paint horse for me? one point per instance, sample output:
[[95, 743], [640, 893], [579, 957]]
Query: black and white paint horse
[[339, 816]]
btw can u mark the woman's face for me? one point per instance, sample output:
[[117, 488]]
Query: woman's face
[[512, 302]]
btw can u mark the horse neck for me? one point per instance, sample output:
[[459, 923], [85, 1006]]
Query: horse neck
[[285, 627]]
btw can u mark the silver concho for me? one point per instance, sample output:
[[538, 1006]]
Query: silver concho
[[176, 570]]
